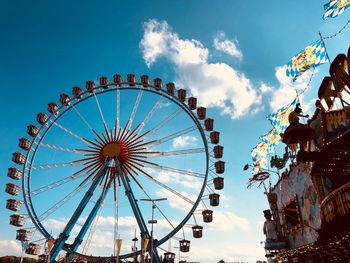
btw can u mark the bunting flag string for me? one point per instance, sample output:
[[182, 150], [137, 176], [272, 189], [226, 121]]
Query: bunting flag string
[[339, 32], [259, 150], [279, 118], [260, 164], [272, 138], [279, 121], [308, 83], [259, 156]]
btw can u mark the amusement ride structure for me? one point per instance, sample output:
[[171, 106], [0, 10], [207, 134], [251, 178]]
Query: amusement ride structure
[[309, 205], [78, 161]]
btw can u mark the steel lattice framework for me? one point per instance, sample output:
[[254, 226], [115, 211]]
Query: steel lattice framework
[[114, 158]]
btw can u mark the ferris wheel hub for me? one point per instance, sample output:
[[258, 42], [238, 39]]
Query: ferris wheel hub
[[114, 149]]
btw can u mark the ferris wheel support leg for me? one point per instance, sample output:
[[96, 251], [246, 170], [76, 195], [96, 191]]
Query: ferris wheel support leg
[[60, 241], [79, 239], [137, 212], [133, 203]]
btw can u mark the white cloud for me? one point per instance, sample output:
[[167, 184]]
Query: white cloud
[[158, 40], [125, 222], [286, 91], [176, 201], [54, 224], [201, 249], [164, 225], [183, 141], [225, 221], [230, 47], [214, 84], [188, 183], [226, 250], [163, 177], [164, 105], [9, 248], [264, 88]]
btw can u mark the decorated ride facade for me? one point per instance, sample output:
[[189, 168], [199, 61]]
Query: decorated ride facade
[[309, 215]]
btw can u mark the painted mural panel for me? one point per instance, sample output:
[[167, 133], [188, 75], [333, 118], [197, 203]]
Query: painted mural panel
[[298, 205]]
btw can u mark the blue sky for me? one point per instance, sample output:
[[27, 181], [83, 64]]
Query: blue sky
[[47, 48]]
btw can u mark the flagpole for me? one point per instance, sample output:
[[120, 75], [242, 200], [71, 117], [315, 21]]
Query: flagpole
[[296, 91], [21, 255], [325, 48]]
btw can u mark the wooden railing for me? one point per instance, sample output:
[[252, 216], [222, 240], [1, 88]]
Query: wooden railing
[[337, 203], [335, 123]]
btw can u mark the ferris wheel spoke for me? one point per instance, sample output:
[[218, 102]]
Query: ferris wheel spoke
[[60, 148], [150, 114], [70, 132], [174, 135], [133, 140], [165, 217], [55, 184], [138, 146], [173, 153], [129, 136], [148, 176], [123, 132], [82, 118], [94, 146], [168, 188], [134, 110], [56, 165], [137, 161], [136, 142], [88, 168], [130, 170], [117, 122], [105, 138], [61, 202], [158, 208], [87, 123], [85, 160], [116, 135], [101, 140], [127, 169], [91, 173], [164, 122], [178, 171], [92, 154], [101, 113]]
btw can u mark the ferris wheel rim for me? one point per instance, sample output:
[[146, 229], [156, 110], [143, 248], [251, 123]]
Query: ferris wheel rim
[[98, 90]]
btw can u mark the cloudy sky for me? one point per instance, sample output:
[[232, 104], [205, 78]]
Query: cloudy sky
[[229, 54]]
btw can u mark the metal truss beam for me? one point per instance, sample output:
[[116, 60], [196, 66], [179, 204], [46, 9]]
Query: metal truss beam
[[60, 241]]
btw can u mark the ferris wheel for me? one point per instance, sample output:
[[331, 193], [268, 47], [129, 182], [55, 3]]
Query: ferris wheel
[[88, 165]]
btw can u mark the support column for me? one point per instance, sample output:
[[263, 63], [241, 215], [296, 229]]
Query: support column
[[138, 215], [79, 239], [60, 241]]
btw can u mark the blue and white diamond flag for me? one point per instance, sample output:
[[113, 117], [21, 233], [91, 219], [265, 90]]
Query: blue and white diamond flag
[[311, 56]]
